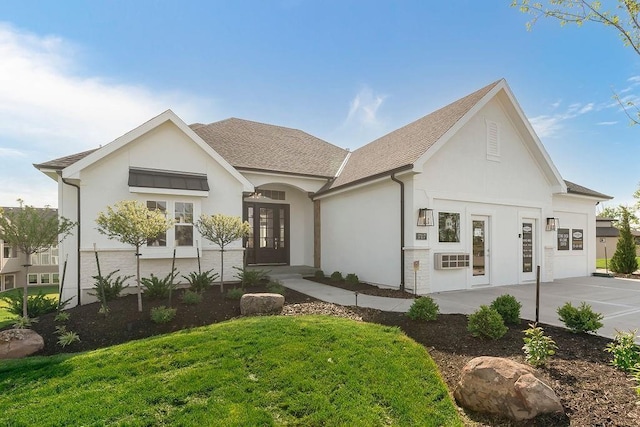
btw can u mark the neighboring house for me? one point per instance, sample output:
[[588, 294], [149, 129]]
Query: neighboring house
[[43, 270], [466, 195], [607, 235]]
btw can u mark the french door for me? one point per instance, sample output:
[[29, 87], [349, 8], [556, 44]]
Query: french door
[[268, 240], [480, 251]]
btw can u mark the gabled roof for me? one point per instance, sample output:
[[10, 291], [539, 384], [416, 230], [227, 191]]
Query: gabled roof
[[258, 146], [71, 166], [404, 146], [573, 188]]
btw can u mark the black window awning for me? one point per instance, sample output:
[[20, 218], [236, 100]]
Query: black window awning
[[153, 178]]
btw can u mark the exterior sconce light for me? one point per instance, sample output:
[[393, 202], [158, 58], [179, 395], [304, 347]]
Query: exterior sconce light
[[425, 217], [552, 224]]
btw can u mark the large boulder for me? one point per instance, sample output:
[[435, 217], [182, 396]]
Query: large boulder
[[264, 303], [17, 343], [501, 386]]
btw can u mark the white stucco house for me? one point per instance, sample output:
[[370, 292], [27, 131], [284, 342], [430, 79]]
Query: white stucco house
[[465, 196]]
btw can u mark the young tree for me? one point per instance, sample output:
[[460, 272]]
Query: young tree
[[32, 231], [624, 259], [131, 222], [623, 18], [222, 230]]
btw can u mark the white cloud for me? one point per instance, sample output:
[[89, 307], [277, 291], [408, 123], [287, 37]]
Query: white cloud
[[364, 108], [49, 110], [548, 125], [607, 123]]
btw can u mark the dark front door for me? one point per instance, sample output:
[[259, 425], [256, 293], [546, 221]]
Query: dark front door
[[268, 241]]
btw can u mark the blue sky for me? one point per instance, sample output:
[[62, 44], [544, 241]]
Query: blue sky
[[77, 74]]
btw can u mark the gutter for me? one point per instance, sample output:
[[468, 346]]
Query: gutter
[[393, 178], [77, 237]]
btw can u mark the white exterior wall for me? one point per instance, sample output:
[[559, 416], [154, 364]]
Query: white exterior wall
[[361, 233], [575, 212], [106, 182], [459, 178]]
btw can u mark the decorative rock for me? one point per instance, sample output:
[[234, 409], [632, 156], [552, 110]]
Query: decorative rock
[[261, 303], [18, 343], [501, 386]]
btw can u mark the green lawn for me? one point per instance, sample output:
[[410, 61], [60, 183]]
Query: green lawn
[[600, 262], [7, 318], [267, 371]]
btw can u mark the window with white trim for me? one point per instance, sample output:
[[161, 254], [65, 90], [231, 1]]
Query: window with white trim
[[161, 206], [184, 224], [182, 234], [32, 279], [8, 252], [55, 278], [45, 278], [46, 257], [8, 281]]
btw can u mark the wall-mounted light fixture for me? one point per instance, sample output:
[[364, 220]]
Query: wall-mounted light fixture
[[552, 224], [425, 217]]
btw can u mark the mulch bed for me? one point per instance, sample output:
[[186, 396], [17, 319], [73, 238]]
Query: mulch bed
[[362, 288], [592, 392]]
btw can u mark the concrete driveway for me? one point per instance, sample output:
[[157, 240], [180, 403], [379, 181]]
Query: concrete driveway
[[617, 299]]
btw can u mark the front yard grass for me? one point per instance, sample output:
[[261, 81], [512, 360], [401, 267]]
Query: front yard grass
[[600, 262], [274, 370]]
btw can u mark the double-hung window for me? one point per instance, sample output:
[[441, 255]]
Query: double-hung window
[[182, 233]]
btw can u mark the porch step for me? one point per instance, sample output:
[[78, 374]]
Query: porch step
[[279, 270]]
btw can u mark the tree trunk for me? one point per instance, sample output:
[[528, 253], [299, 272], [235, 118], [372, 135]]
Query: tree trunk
[[138, 278], [222, 269], [25, 297]]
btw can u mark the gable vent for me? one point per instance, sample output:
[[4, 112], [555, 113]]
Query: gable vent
[[493, 141]]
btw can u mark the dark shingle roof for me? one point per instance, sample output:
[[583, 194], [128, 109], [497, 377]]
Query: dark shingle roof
[[404, 146], [573, 188], [63, 162], [252, 145]]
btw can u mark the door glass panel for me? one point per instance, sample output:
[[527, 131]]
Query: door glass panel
[[281, 237], [266, 228], [527, 247], [250, 221], [478, 248]]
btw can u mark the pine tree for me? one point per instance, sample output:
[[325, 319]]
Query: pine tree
[[624, 259]]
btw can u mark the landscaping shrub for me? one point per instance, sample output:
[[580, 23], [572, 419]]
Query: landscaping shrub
[[37, 305], [486, 322], [107, 288], [336, 276], [156, 287], [24, 322], [319, 274], [251, 277], [538, 347], [508, 307], [198, 282], [624, 258], [62, 316], [580, 319], [191, 298], [162, 314], [235, 293], [276, 287], [626, 353], [352, 279], [66, 337], [423, 308]]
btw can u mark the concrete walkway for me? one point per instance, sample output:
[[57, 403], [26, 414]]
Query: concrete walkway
[[617, 299]]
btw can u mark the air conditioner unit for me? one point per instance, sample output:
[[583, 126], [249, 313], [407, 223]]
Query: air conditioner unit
[[448, 261]]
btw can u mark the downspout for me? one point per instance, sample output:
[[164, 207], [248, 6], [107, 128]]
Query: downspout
[[77, 237], [393, 178]]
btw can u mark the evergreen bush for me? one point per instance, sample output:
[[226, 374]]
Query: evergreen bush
[[508, 307], [352, 279], [423, 308], [624, 259], [37, 305], [156, 287], [580, 319], [234, 293], [198, 282], [162, 314], [319, 274], [336, 276], [486, 322], [191, 298], [251, 277]]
